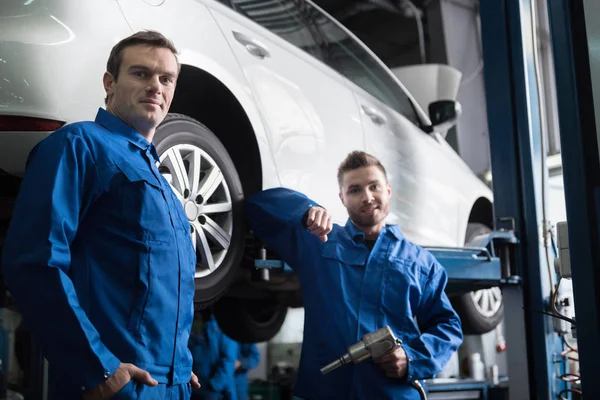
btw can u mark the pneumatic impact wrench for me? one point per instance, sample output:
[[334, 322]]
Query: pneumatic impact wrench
[[371, 346]]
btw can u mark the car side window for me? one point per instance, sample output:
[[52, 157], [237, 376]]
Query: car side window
[[286, 18], [344, 54], [306, 27]]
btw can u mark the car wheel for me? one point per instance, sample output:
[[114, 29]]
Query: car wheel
[[250, 320], [203, 177], [480, 311]]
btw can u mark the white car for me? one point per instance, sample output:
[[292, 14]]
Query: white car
[[271, 93]]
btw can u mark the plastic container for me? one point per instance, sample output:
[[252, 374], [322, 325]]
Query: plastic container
[[477, 367]]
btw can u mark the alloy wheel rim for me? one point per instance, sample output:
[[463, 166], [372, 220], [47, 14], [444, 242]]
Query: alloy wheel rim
[[199, 184], [487, 301]]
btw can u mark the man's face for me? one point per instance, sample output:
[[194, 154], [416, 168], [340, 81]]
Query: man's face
[[142, 94], [366, 193]]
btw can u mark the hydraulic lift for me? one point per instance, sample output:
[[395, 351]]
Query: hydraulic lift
[[519, 174]]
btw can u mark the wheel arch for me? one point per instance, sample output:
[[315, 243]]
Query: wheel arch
[[202, 96], [482, 212]]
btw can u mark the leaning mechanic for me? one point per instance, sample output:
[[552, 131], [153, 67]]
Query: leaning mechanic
[[356, 279], [98, 255]]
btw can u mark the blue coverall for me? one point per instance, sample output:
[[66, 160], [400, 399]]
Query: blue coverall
[[100, 261], [349, 291], [249, 357], [214, 357]]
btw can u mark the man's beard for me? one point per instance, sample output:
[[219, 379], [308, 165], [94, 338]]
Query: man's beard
[[368, 221]]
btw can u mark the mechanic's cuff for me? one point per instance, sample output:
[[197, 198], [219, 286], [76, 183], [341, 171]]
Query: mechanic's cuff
[[410, 367], [109, 364], [304, 219]]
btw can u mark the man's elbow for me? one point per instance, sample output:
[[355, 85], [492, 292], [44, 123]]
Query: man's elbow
[[457, 333]]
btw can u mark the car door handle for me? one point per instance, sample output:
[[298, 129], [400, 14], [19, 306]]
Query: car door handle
[[252, 46], [377, 117]]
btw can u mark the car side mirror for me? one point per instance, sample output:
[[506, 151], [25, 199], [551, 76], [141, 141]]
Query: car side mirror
[[444, 114]]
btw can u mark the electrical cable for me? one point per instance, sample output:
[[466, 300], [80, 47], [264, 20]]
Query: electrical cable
[[419, 20], [546, 232], [565, 391], [475, 9], [565, 352], [554, 295], [477, 71], [559, 316], [417, 385], [566, 342], [571, 378]]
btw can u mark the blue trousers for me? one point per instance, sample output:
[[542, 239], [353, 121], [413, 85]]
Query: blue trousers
[[137, 391]]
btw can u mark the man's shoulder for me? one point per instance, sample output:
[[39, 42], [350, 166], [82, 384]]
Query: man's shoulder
[[86, 130]]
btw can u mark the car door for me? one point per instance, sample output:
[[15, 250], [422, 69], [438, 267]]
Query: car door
[[311, 115], [425, 198]]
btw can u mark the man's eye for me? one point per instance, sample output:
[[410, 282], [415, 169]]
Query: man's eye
[[166, 79], [354, 191], [140, 74], [375, 187]]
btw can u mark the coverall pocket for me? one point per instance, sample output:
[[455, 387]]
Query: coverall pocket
[[141, 294], [127, 392], [344, 255], [143, 204]]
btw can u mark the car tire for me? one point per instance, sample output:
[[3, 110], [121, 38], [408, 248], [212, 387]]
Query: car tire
[[250, 320], [480, 311], [204, 179]]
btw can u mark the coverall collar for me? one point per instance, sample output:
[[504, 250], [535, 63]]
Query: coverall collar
[[358, 236], [118, 126]]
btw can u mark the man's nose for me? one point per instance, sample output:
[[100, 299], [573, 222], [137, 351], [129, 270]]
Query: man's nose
[[368, 196], [153, 84]]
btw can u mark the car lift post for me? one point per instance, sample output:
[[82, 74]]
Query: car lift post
[[518, 172], [574, 30]]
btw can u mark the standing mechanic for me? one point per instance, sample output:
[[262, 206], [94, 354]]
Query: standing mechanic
[[98, 255], [356, 279], [247, 359], [215, 357]]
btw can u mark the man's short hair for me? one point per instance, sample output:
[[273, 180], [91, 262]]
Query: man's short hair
[[148, 38], [358, 159]]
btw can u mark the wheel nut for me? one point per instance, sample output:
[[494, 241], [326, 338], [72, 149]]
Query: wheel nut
[[202, 219], [199, 199], [186, 193]]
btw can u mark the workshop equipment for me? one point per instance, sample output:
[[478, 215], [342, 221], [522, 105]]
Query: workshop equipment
[[371, 346]]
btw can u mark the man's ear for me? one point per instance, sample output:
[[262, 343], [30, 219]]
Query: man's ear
[[108, 80], [389, 189], [342, 198]]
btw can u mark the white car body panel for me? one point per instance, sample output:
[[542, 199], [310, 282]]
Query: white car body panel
[[306, 117], [308, 136], [426, 199], [35, 79]]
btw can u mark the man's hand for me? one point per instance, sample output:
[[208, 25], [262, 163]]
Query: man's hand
[[394, 364], [121, 377], [194, 381], [319, 222], [238, 364]]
